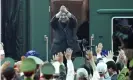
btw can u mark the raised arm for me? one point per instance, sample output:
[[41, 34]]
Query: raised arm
[[70, 66], [73, 21], [54, 22]]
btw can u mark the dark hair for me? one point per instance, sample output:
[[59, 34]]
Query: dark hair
[[47, 76], [111, 64], [28, 74], [119, 66], [9, 73]]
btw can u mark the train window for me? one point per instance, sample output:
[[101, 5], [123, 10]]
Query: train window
[[122, 31]]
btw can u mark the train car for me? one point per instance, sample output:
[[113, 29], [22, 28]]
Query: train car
[[26, 23]]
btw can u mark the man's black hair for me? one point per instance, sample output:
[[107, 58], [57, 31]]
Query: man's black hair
[[111, 64], [47, 76], [28, 74], [119, 66]]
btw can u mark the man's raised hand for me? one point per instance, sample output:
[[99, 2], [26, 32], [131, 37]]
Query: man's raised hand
[[68, 53], [63, 9]]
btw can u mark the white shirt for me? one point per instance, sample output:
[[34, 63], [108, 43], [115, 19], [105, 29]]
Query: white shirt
[[70, 70]]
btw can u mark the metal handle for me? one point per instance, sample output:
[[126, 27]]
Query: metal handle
[[46, 39], [92, 38]]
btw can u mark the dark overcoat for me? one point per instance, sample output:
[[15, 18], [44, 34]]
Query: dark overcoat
[[64, 35]]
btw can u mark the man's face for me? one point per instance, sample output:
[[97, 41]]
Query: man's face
[[110, 71], [2, 57], [63, 18]]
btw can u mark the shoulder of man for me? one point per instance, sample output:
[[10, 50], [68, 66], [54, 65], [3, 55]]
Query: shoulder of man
[[123, 74], [114, 77]]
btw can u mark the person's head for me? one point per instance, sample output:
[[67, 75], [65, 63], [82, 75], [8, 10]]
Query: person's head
[[119, 66], [111, 67], [78, 62], [63, 18], [82, 74], [28, 66], [9, 73], [37, 60], [102, 69], [2, 54], [48, 70]]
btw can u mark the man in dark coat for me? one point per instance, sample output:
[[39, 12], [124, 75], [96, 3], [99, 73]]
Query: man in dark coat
[[64, 26]]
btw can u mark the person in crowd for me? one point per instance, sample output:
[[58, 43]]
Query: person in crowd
[[7, 62], [119, 67], [39, 62], [70, 67], [9, 74], [103, 68], [112, 69], [8, 71], [82, 74], [28, 67], [124, 73], [60, 69], [35, 55], [48, 71]]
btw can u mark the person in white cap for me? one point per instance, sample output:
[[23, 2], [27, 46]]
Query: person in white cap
[[102, 69], [82, 74]]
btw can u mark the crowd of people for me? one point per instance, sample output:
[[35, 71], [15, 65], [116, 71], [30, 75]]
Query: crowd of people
[[91, 67]]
